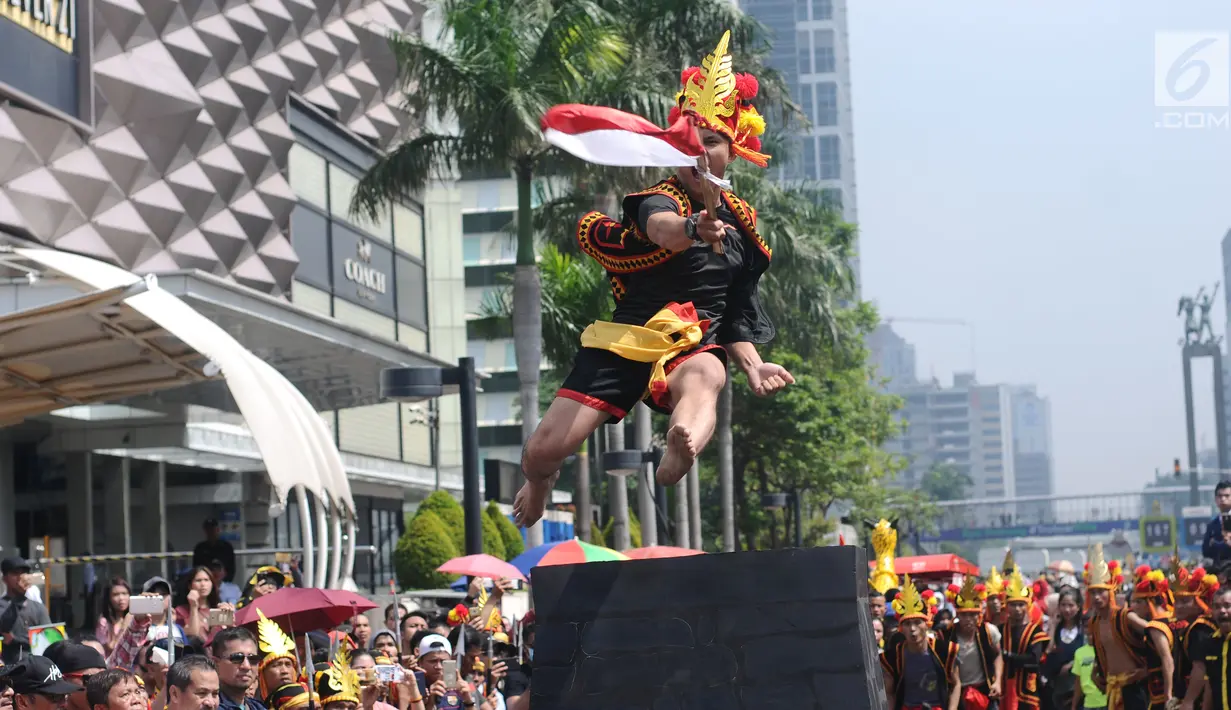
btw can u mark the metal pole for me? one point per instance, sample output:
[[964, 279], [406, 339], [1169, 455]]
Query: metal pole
[[617, 494], [680, 491], [89, 502], [1220, 409], [126, 507], [799, 528], [694, 505], [660, 513], [726, 468], [585, 518], [1194, 481], [471, 499], [645, 497], [161, 484]]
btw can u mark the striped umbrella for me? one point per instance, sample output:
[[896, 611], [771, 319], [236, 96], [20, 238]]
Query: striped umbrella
[[657, 552], [565, 552]]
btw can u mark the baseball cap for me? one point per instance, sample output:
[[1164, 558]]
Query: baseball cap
[[152, 582], [37, 674], [74, 657], [14, 564], [433, 643]]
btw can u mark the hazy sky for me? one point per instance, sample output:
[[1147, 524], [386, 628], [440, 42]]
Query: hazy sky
[[1010, 174]]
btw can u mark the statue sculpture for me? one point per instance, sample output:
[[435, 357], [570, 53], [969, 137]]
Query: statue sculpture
[[885, 543], [1197, 328]]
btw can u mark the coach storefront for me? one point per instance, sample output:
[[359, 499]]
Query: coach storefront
[[214, 145]]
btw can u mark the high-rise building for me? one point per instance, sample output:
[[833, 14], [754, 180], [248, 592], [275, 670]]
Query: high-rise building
[[1032, 450], [893, 357], [967, 427], [811, 50]]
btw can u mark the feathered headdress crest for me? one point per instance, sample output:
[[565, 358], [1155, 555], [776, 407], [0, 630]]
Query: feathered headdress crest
[[969, 597], [339, 682], [911, 604], [274, 643], [721, 100], [1018, 590], [1152, 586], [1197, 584], [995, 583]]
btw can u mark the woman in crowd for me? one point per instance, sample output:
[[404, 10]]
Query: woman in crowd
[[1067, 636], [384, 644], [197, 595], [113, 621], [143, 629], [266, 580]]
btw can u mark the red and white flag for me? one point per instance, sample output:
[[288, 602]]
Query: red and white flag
[[608, 136]]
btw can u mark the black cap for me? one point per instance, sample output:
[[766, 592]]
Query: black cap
[[14, 564], [38, 675], [74, 657]]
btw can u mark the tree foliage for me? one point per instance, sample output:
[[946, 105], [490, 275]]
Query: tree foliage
[[944, 482], [634, 530], [450, 513], [509, 534], [424, 546]]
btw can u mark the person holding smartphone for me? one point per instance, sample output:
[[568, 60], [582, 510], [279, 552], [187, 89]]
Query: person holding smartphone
[[1217, 542]]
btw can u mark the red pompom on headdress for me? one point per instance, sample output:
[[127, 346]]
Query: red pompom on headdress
[[951, 592], [459, 615], [723, 103]]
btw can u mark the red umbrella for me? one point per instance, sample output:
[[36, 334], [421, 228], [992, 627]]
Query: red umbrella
[[301, 610], [654, 552], [481, 566]]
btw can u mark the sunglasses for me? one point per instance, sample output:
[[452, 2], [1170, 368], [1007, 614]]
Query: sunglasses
[[239, 658]]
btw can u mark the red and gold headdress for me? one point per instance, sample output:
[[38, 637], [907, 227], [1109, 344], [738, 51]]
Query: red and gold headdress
[[911, 604], [274, 644], [721, 100], [1151, 585], [1017, 589], [1198, 584], [968, 598], [995, 584], [339, 682]]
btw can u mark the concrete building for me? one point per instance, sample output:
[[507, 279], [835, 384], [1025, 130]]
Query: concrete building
[[811, 50], [893, 357], [968, 426], [1032, 450], [215, 144]]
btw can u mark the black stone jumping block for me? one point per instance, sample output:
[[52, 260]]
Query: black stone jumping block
[[740, 631]]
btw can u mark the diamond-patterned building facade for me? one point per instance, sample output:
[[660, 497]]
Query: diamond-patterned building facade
[[187, 165]]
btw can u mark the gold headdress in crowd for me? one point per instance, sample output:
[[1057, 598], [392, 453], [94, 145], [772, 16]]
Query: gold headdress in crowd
[[995, 584], [274, 644], [290, 697], [884, 542], [1152, 586], [1018, 590], [1100, 574], [909, 604], [721, 100], [968, 599], [1198, 584], [1009, 564], [340, 683]]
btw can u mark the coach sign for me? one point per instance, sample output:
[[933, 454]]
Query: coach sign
[[362, 270], [45, 58]]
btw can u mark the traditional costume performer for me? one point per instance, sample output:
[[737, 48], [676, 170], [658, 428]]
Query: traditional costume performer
[[1191, 634], [1151, 590], [275, 645], [1022, 645], [339, 684], [673, 305], [1116, 631], [902, 669], [979, 663], [291, 697], [995, 590], [267, 575]]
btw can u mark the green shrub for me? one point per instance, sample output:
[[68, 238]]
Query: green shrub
[[513, 544], [597, 537], [634, 531], [493, 543], [450, 513], [424, 546]]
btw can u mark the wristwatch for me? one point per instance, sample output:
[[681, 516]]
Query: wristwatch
[[690, 227]]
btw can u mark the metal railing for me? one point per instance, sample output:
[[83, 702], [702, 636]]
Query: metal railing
[[139, 556]]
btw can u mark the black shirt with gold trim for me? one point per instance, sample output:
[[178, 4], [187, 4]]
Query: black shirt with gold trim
[[1214, 652]]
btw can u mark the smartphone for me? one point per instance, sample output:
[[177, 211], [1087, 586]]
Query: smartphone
[[389, 673], [147, 605], [450, 674], [367, 676], [219, 617], [1226, 522], [282, 557]]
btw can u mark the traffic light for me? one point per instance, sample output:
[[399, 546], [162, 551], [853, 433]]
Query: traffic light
[[1177, 468]]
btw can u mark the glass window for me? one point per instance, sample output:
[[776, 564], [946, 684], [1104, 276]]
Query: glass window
[[472, 249], [342, 186], [805, 102], [408, 230], [831, 158], [306, 171], [480, 222], [310, 237], [832, 197], [826, 104], [803, 49], [822, 9], [510, 355], [411, 292], [824, 57], [477, 349], [809, 150]]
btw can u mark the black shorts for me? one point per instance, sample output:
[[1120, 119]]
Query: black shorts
[[602, 380]]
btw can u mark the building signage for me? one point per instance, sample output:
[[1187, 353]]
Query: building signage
[[1101, 527], [53, 20], [359, 270], [1157, 533], [362, 270]]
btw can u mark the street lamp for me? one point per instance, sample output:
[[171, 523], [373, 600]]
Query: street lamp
[[628, 462], [418, 384], [778, 501]]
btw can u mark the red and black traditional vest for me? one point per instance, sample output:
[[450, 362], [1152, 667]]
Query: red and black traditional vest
[[893, 661], [1190, 638], [1139, 645], [1029, 640], [988, 651]]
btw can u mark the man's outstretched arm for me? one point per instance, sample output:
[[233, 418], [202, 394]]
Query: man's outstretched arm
[[764, 378]]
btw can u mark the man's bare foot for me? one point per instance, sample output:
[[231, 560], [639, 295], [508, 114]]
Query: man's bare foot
[[531, 501], [679, 457]]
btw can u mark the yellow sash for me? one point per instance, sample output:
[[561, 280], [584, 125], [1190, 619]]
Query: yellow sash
[[1115, 686], [662, 337]]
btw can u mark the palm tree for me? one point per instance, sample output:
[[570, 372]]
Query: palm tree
[[502, 64]]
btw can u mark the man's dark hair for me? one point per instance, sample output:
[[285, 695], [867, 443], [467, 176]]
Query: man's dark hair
[[418, 639], [875, 594], [226, 636], [99, 685], [1222, 486], [180, 673], [474, 638], [389, 610]]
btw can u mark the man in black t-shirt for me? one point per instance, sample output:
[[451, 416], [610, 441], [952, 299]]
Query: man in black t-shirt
[[213, 548], [684, 278], [1211, 660]]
